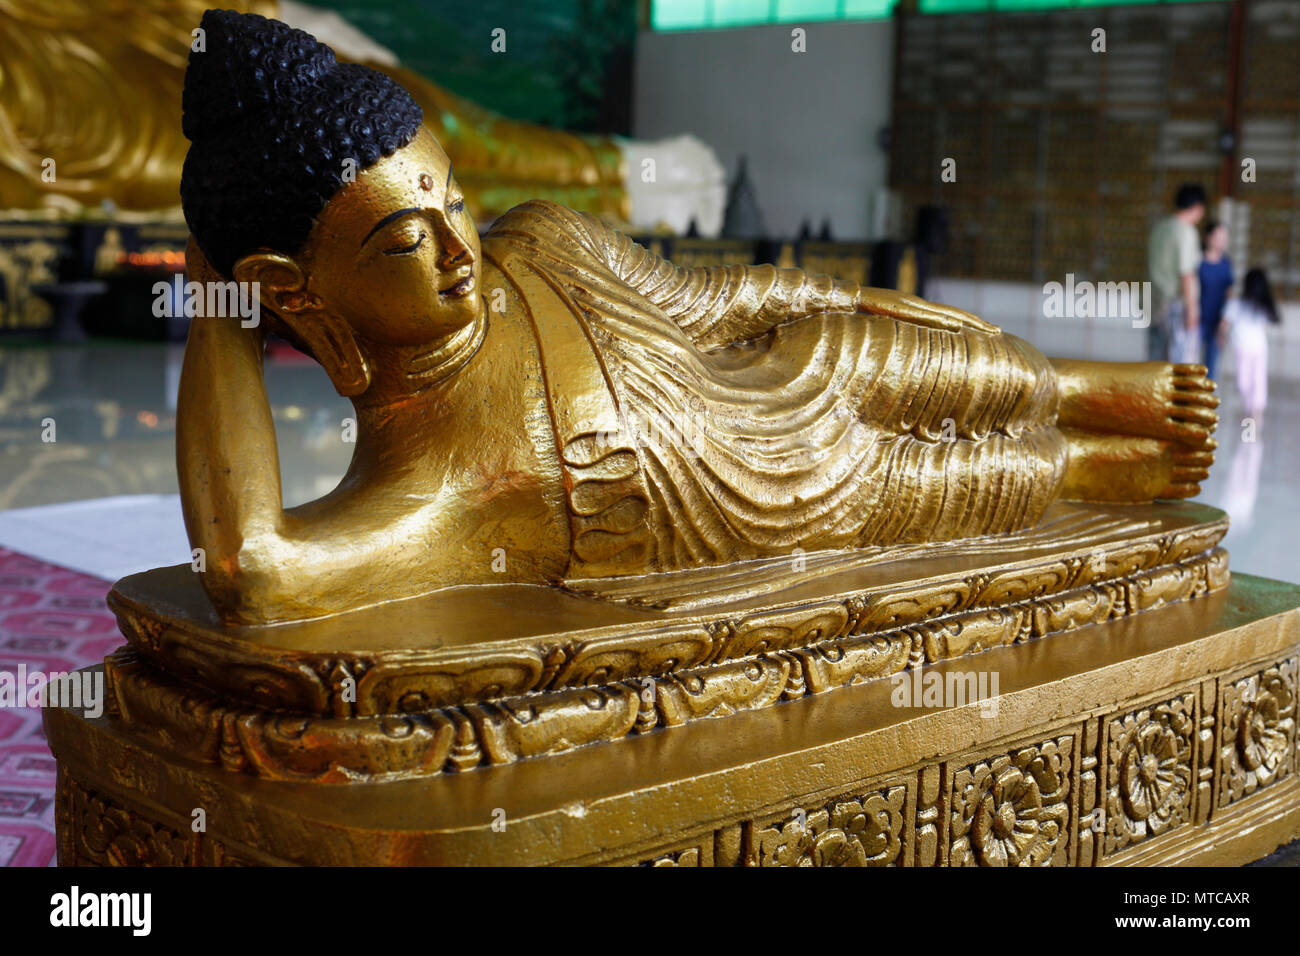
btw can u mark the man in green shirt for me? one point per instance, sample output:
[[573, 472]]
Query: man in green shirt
[[1173, 255]]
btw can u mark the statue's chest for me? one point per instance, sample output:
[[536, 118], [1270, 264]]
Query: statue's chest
[[605, 495]]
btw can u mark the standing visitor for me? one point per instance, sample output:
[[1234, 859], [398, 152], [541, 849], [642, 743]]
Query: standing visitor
[[1215, 279], [1247, 319], [1173, 255]]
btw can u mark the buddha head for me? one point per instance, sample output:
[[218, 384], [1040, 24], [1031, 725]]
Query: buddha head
[[317, 180]]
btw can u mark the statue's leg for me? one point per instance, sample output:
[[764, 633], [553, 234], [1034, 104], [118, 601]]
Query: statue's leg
[[1136, 431], [969, 440]]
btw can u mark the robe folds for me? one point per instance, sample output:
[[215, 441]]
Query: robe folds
[[735, 413]]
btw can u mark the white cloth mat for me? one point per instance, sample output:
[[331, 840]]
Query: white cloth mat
[[107, 537]]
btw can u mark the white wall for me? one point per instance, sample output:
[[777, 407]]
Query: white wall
[[807, 121], [1017, 307]]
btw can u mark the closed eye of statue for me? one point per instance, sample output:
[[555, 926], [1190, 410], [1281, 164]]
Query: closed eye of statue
[[407, 250]]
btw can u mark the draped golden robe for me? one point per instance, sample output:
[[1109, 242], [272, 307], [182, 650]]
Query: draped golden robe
[[734, 413]]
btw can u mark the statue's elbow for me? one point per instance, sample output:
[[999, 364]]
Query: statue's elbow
[[246, 586]]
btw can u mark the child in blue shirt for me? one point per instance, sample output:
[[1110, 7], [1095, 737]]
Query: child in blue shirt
[[1215, 275]]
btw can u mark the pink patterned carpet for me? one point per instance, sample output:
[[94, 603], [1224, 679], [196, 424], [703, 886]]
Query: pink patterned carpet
[[51, 619]]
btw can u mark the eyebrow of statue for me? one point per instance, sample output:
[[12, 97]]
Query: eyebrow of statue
[[386, 220]]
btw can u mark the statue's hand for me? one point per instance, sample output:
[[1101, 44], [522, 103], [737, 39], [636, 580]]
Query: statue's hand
[[910, 308]]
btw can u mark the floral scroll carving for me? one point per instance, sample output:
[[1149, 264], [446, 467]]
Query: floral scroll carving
[[852, 831], [1149, 772], [689, 857], [109, 834], [1014, 809], [1259, 730]]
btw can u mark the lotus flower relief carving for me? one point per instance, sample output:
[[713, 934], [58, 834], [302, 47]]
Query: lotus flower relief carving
[[1267, 726], [1259, 730], [1017, 811], [858, 832], [1154, 772]]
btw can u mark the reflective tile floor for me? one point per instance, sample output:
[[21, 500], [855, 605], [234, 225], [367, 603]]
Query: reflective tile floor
[[111, 409]]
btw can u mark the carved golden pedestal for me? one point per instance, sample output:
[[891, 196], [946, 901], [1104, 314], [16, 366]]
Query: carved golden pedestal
[[1146, 714]]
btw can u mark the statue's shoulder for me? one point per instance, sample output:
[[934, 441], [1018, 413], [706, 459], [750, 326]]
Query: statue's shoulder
[[540, 222], [535, 216]]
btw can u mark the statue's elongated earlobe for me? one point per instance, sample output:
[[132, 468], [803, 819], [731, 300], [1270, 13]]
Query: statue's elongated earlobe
[[283, 289], [331, 340]]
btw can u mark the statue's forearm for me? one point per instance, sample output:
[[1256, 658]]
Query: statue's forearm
[[225, 445], [719, 305], [763, 297], [713, 305]]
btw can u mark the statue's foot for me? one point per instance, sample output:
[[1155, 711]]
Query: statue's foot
[[1190, 468], [1136, 431], [1190, 416], [1173, 403], [1129, 468]]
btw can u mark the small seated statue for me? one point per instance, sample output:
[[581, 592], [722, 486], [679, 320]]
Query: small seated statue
[[503, 386]]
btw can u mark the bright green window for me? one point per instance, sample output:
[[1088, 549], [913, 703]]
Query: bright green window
[[968, 6], [713, 14]]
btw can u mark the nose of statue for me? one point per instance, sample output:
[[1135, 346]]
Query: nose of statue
[[453, 257], [454, 251]]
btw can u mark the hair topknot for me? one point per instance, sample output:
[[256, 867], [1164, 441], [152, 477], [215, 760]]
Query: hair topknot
[[272, 116]]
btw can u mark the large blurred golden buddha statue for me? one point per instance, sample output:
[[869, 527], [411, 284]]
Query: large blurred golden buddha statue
[[502, 389], [95, 85]]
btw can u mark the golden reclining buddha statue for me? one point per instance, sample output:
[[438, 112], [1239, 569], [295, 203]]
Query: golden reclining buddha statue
[[555, 405], [641, 564]]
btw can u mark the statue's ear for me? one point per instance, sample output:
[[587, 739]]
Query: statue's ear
[[282, 288]]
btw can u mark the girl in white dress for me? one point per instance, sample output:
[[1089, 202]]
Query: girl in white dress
[[1247, 318]]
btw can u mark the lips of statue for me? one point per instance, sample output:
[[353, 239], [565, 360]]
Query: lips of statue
[[396, 253]]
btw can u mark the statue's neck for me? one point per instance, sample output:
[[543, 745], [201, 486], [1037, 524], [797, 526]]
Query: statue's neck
[[409, 377]]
